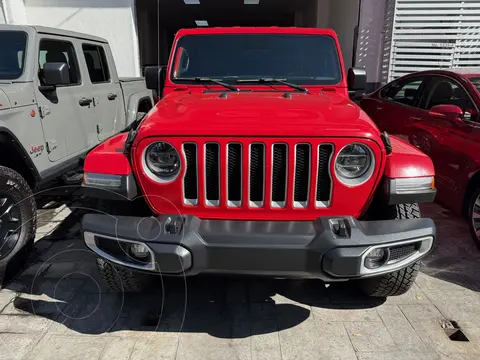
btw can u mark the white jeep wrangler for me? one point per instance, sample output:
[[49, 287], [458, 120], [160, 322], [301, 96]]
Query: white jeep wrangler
[[60, 96]]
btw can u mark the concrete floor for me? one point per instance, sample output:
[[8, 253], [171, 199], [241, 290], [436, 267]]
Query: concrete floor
[[59, 309]]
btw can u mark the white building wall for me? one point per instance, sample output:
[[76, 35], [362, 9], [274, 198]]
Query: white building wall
[[12, 12], [113, 20], [2, 16]]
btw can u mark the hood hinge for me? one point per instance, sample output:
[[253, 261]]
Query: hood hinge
[[51, 145], [43, 111]]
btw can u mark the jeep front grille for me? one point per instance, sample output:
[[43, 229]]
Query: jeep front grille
[[257, 176]]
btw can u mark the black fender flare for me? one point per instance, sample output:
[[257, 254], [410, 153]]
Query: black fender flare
[[6, 134]]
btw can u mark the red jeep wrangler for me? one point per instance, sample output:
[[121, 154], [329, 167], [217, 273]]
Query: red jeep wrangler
[[255, 161]]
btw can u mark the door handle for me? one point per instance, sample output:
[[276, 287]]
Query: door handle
[[379, 108], [416, 118], [112, 96], [85, 101]]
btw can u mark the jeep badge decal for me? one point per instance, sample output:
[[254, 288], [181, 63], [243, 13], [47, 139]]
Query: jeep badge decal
[[36, 150]]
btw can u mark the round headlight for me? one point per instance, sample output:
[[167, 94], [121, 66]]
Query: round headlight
[[354, 164], [163, 160]]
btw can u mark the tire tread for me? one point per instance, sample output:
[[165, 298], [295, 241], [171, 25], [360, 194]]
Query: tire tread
[[119, 279], [26, 242]]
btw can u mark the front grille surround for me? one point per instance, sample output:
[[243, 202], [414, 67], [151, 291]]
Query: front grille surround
[[256, 175]]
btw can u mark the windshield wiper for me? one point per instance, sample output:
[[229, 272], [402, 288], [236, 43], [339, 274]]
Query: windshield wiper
[[270, 80], [206, 79]]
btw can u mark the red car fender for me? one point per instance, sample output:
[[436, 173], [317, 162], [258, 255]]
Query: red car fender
[[109, 157], [406, 161]]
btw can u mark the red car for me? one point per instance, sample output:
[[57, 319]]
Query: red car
[[438, 112], [255, 161]]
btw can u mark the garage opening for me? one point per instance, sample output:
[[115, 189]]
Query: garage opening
[[158, 21]]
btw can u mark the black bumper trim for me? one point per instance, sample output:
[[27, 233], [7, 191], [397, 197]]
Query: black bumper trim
[[275, 248], [419, 198]]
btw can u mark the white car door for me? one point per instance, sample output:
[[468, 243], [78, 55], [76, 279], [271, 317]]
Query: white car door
[[107, 94], [65, 110]]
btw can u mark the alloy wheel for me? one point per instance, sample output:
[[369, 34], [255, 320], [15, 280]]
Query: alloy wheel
[[10, 225]]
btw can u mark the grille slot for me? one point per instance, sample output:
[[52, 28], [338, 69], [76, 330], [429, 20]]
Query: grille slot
[[257, 174], [234, 175], [190, 187], [212, 174], [302, 175], [279, 175], [324, 181]]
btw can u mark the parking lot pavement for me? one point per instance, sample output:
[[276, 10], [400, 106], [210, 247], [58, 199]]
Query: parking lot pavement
[[58, 309]]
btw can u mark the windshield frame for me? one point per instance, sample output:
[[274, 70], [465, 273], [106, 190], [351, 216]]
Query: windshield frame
[[24, 54], [339, 62]]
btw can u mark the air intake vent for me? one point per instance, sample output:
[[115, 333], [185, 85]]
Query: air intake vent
[[324, 181], [257, 174], [190, 189], [234, 179], [212, 174], [279, 175], [302, 175]]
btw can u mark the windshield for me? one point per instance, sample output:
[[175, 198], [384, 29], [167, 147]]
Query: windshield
[[300, 59], [13, 45], [476, 82]]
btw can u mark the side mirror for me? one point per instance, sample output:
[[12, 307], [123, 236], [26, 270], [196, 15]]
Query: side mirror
[[357, 79], [56, 73], [155, 78], [446, 112]]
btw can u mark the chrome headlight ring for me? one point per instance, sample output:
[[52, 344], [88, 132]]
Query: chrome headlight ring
[[161, 161], [354, 164]]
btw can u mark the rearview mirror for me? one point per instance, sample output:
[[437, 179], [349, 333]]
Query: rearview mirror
[[155, 78], [447, 112], [56, 73], [357, 79]]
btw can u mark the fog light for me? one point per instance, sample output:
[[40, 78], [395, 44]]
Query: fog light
[[376, 258], [139, 251]]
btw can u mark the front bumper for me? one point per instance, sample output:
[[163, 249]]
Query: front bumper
[[329, 248]]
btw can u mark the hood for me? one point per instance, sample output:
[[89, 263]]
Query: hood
[[257, 114], [16, 94], [4, 101]]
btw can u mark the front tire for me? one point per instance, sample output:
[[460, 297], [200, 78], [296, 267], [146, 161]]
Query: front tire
[[474, 217], [124, 280], [398, 282], [18, 219]]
